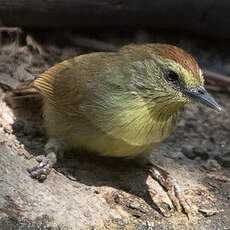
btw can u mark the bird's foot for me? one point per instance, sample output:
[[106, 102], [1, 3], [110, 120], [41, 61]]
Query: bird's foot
[[52, 148], [177, 196], [42, 170], [170, 184]]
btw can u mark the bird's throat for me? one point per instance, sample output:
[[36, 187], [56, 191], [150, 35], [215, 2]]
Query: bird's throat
[[164, 111]]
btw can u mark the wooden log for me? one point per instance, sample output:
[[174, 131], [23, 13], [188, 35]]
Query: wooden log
[[21, 198], [201, 17]]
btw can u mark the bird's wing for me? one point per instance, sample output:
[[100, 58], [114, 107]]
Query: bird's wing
[[67, 84]]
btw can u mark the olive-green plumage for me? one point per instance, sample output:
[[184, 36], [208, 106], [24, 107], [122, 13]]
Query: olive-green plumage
[[117, 104], [120, 104]]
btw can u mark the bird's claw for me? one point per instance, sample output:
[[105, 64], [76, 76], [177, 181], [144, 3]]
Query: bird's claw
[[41, 170], [170, 184], [177, 196]]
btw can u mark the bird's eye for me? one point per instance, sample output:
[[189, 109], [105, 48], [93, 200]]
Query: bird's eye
[[172, 76]]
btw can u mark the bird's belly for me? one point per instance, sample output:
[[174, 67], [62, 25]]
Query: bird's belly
[[105, 145], [79, 133], [82, 136]]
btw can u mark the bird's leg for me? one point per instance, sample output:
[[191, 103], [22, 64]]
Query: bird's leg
[[171, 186], [46, 163]]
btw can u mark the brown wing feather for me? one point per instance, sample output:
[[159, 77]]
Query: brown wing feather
[[50, 86], [67, 84]]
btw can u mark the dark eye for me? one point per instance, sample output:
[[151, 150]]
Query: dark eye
[[172, 76]]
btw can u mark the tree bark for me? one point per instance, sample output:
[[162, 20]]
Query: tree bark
[[55, 202], [201, 17]]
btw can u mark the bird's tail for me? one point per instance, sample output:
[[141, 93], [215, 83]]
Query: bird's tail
[[28, 92], [24, 97]]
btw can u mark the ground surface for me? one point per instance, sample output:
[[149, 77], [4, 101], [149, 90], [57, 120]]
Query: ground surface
[[85, 192]]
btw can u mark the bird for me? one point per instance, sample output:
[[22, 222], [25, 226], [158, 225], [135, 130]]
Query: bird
[[118, 104]]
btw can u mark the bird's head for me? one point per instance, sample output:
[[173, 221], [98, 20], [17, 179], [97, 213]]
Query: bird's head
[[183, 74], [172, 74]]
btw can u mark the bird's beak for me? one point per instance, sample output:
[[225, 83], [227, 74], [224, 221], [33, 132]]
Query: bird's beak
[[200, 94]]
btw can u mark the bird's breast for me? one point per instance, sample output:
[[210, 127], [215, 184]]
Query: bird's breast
[[132, 122]]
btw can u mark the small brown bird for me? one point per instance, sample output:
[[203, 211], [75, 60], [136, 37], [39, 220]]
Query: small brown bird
[[118, 104]]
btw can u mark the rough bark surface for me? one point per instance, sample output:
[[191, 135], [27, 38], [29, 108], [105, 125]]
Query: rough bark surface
[[78, 205]]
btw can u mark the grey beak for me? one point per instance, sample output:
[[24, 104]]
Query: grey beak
[[201, 95]]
